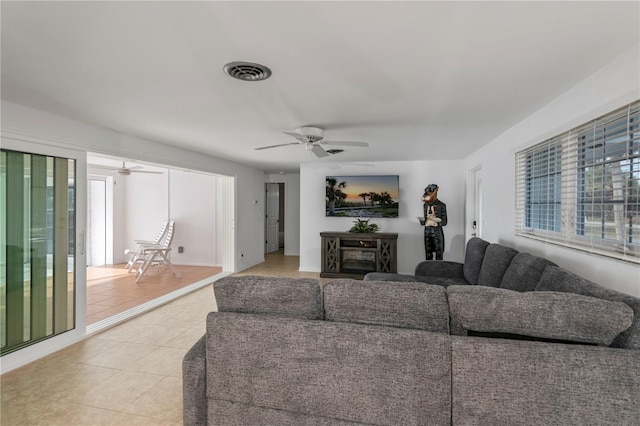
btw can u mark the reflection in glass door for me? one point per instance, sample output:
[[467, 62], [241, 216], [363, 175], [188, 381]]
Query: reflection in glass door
[[37, 255]]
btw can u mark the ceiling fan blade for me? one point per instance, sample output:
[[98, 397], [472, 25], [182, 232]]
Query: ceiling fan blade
[[98, 166], [345, 143], [275, 146], [298, 136], [319, 152], [145, 171]]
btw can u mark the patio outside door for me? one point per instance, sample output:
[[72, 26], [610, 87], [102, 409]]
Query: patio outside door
[[39, 247]]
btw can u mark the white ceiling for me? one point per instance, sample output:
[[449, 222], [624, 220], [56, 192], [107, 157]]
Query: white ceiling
[[415, 80]]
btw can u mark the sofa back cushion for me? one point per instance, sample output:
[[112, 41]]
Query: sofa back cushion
[[335, 370], [540, 314], [497, 259], [292, 297], [394, 304], [524, 272], [473, 256], [558, 279]]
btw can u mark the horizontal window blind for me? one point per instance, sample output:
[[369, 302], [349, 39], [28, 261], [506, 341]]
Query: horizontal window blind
[[581, 189]]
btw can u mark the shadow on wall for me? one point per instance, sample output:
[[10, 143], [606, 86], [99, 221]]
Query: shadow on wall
[[457, 247]]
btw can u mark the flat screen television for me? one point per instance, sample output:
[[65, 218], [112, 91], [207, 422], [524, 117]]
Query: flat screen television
[[362, 196]]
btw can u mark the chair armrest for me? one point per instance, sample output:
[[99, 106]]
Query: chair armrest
[[194, 384], [440, 268]]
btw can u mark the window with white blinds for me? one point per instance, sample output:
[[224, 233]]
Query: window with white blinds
[[581, 189]]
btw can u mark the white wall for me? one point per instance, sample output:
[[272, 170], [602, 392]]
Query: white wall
[[145, 201], [28, 123], [613, 86], [292, 209], [192, 206], [414, 176]]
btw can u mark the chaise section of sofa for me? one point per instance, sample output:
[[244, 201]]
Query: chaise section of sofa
[[557, 279], [510, 382]]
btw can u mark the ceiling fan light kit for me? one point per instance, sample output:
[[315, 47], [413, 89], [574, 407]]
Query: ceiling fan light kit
[[313, 138]]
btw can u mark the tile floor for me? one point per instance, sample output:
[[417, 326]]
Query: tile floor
[[127, 375]]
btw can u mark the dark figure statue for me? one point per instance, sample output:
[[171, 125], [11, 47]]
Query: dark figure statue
[[435, 217]]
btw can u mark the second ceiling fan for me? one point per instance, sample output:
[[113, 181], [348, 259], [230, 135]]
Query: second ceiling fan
[[125, 171], [313, 138]]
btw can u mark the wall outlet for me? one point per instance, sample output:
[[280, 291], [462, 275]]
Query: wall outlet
[[180, 249]]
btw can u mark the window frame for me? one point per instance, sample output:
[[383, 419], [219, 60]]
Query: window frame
[[599, 173]]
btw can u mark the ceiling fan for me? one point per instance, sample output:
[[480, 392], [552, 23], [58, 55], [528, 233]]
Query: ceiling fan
[[124, 170], [313, 138]]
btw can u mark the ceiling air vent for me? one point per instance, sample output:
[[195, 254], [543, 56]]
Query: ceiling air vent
[[247, 71]]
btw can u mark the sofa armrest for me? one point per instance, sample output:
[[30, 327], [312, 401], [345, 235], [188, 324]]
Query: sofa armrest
[[194, 384], [440, 268]]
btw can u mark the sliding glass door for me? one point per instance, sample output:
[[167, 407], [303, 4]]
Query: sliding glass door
[[38, 281]]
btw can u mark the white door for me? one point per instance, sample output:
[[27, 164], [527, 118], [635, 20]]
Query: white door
[[474, 207], [97, 222], [272, 214], [45, 186]]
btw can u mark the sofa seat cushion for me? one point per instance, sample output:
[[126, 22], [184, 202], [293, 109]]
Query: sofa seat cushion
[[394, 304], [292, 297], [558, 279], [524, 272], [546, 315]]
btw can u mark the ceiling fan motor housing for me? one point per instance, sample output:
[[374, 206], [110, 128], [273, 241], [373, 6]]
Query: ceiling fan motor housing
[[312, 134]]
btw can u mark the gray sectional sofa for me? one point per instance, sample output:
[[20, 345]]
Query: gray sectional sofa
[[284, 351]]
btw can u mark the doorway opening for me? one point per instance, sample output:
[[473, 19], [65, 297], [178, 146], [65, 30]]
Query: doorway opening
[[474, 204], [274, 217], [129, 201]]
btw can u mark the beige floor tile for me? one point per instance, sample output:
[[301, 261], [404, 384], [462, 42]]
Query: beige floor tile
[[25, 409], [186, 319], [62, 381], [84, 350], [157, 316], [65, 414], [162, 402], [122, 332], [187, 339], [163, 361], [122, 355], [118, 392], [127, 419], [156, 334]]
